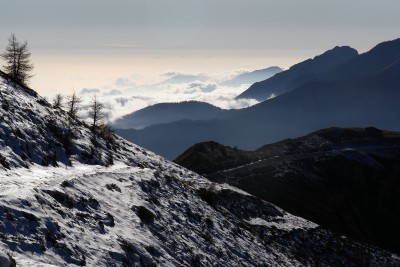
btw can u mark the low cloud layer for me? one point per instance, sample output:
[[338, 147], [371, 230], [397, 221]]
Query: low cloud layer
[[124, 96]]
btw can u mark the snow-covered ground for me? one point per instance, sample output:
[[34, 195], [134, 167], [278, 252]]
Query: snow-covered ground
[[89, 214]]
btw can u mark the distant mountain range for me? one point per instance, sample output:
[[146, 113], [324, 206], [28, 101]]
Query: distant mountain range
[[253, 76], [168, 112], [176, 78], [360, 92], [193, 110], [340, 63], [343, 179]]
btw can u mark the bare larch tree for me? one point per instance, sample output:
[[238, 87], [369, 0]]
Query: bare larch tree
[[58, 101], [96, 113], [17, 60], [73, 105]]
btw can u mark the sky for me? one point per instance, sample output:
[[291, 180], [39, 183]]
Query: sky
[[131, 46]]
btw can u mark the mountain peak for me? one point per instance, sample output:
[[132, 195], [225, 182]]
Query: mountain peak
[[330, 58], [346, 52], [380, 57], [345, 49]]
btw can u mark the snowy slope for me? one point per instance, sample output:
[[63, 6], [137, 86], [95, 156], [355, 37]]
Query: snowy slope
[[82, 209], [90, 214], [31, 131], [160, 215]]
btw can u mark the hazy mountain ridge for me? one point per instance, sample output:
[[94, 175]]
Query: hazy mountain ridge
[[340, 63], [369, 63], [343, 179], [138, 209], [168, 112], [253, 76], [299, 74], [188, 110], [175, 137], [176, 78]]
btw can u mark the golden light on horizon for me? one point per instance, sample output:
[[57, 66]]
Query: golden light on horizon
[[64, 73]]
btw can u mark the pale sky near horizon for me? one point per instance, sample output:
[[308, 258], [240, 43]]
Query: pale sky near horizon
[[79, 44]]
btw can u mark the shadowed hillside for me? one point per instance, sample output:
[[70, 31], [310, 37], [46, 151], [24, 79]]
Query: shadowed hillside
[[344, 179]]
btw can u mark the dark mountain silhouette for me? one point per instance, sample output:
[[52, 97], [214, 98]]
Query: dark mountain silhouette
[[362, 101], [168, 112], [299, 74], [209, 157], [344, 179], [253, 76]]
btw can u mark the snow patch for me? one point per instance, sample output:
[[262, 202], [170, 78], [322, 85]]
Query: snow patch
[[288, 223]]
